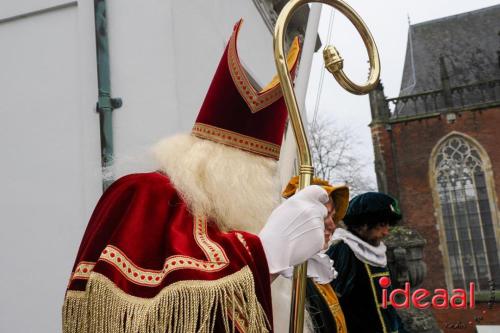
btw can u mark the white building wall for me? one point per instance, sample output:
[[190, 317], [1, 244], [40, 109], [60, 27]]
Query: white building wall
[[47, 138], [163, 56]]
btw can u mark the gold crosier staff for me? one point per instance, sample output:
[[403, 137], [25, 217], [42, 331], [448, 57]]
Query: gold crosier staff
[[334, 63]]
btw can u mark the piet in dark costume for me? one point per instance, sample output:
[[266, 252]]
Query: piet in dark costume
[[148, 262], [322, 304], [360, 265]]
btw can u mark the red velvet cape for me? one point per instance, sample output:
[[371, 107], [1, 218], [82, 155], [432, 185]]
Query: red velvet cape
[[143, 238]]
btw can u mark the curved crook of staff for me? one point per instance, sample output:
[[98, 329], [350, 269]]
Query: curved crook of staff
[[334, 63]]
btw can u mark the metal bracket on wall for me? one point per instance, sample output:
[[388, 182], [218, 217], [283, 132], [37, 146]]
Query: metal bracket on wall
[[106, 103]]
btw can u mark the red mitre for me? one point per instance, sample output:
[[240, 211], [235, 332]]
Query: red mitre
[[234, 113]]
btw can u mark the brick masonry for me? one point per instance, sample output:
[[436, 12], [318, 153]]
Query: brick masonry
[[402, 153], [465, 321]]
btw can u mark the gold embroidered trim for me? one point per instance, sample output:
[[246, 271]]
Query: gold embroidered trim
[[380, 274], [256, 101], [213, 252], [329, 296], [83, 270], [237, 140], [242, 240], [375, 298], [184, 306], [215, 255]]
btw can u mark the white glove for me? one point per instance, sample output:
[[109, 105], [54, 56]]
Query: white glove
[[319, 268], [295, 230]]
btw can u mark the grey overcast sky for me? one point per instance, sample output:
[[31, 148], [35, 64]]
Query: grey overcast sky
[[388, 23]]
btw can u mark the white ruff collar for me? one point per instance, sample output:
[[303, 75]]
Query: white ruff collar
[[369, 254]]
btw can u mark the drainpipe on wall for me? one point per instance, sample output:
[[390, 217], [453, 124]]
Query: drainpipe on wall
[[105, 104]]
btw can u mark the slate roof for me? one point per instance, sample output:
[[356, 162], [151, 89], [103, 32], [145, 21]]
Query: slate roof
[[451, 64], [468, 42]]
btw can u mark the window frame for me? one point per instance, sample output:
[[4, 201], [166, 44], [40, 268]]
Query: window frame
[[438, 212]]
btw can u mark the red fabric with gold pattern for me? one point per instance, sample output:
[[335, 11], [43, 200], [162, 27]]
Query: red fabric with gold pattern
[[235, 114], [142, 237]]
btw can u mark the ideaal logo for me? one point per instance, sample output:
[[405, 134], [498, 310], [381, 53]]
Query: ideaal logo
[[440, 299]]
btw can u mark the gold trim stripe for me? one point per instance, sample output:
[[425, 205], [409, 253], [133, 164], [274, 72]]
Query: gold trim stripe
[[83, 270], [375, 298], [329, 296], [212, 250], [215, 255], [152, 278], [256, 101], [382, 274], [237, 140], [243, 241]]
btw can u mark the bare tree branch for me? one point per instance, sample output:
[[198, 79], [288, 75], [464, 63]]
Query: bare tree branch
[[334, 156]]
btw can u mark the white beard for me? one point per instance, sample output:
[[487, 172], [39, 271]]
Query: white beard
[[237, 190]]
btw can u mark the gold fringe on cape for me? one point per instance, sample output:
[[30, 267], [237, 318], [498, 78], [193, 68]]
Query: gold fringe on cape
[[185, 306]]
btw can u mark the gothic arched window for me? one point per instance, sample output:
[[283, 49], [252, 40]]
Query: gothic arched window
[[463, 186]]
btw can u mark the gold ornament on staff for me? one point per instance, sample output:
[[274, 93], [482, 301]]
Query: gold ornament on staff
[[334, 64]]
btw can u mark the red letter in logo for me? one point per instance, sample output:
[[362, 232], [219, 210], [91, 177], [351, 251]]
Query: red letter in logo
[[459, 300], [440, 299], [472, 300], [405, 292], [384, 282], [419, 295]]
